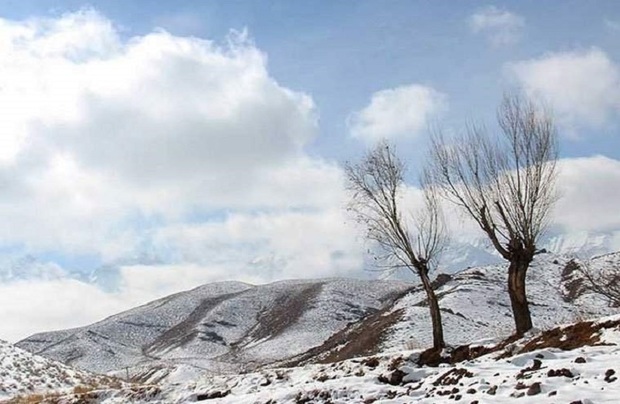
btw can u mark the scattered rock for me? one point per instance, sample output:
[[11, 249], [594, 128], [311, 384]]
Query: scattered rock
[[371, 362], [452, 377], [212, 394], [560, 372], [580, 359], [609, 376], [492, 390], [534, 389], [394, 378]]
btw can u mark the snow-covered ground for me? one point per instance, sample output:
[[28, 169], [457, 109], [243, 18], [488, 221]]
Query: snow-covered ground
[[22, 373], [565, 365], [547, 375]]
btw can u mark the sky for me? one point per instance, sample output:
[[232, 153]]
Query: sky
[[150, 147]]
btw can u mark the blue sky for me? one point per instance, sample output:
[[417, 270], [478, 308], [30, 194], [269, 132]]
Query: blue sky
[[151, 138], [342, 52]]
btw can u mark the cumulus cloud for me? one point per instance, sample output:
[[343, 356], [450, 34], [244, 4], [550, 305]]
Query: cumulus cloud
[[100, 132], [401, 112], [501, 27], [589, 192], [44, 305], [582, 87]]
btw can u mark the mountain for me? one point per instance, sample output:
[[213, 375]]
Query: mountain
[[379, 356], [475, 251], [233, 326], [227, 325]]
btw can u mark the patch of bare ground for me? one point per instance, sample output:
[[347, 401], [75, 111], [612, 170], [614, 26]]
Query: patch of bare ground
[[587, 333], [572, 281], [89, 394]]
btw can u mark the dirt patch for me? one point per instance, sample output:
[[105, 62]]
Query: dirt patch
[[575, 336], [440, 280], [573, 282], [461, 353], [565, 338]]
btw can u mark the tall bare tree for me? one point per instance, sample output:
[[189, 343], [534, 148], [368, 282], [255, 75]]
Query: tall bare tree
[[506, 184], [376, 184]]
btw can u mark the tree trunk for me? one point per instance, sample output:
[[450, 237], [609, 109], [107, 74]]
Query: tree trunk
[[518, 298], [433, 304]]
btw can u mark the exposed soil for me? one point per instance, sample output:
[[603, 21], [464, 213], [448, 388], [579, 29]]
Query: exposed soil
[[571, 337], [575, 336]]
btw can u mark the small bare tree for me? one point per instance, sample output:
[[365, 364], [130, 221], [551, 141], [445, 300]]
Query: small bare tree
[[506, 185], [376, 184], [604, 281]]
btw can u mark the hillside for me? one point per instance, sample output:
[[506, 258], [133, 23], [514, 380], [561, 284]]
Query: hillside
[[223, 326], [22, 373], [575, 363], [338, 341]]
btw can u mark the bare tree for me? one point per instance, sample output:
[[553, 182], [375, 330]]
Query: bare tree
[[604, 281], [506, 184], [376, 184]]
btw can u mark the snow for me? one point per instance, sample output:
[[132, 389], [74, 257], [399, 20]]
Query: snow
[[24, 373], [561, 376]]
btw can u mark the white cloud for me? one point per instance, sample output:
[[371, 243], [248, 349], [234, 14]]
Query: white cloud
[[99, 132], [501, 27], [582, 87], [401, 112], [274, 245], [34, 306], [589, 193]]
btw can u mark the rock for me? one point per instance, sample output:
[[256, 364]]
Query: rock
[[211, 395], [609, 376], [560, 372], [580, 359], [534, 389], [394, 378]]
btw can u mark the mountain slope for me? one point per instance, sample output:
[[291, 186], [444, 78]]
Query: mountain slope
[[21, 372], [232, 327], [229, 324], [475, 305]]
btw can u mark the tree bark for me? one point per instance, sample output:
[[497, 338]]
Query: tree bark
[[518, 298], [433, 304]]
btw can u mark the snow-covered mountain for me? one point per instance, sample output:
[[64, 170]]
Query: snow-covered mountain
[[475, 251], [227, 325], [350, 341], [233, 326]]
